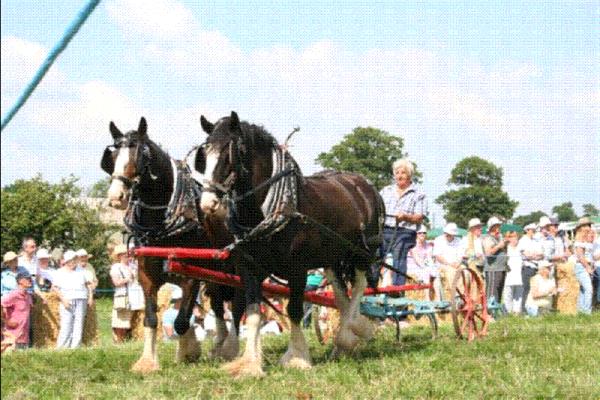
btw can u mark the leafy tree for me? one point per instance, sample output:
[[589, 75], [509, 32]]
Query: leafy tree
[[367, 151], [53, 215], [100, 188], [477, 193], [527, 219], [590, 210], [565, 212]]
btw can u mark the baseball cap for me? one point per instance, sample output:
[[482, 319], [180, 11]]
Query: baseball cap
[[544, 221], [531, 226], [23, 275], [493, 221]]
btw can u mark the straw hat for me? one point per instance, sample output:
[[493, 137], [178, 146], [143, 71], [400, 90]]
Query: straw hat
[[585, 221], [493, 221], [9, 256], [451, 229], [544, 264], [42, 253], [69, 255], [473, 222], [83, 253], [120, 249]]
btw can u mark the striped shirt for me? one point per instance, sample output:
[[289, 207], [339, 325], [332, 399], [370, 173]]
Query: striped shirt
[[412, 201]]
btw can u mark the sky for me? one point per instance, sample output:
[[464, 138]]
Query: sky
[[516, 83]]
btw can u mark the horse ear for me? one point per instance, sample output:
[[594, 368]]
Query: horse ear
[[107, 163], [234, 122], [114, 131], [206, 126], [143, 127]]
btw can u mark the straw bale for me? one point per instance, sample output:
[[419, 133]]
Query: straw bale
[[137, 324], [46, 323], [566, 302]]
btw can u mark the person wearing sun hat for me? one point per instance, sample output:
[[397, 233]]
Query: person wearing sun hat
[[543, 289], [75, 295], [473, 245], [448, 255], [494, 247], [584, 265], [8, 280], [532, 252], [89, 270], [554, 246]]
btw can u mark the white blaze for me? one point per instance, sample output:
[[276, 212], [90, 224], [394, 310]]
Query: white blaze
[[117, 189], [209, 200]]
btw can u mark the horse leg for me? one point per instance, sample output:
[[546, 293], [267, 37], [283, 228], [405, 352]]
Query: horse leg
[[345, 340], [231, 346], [188, 347], [215, 293], [359, 324], [297, 354], [149, 277], [250, 363]]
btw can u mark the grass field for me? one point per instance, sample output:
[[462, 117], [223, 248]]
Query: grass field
[[551, 357]]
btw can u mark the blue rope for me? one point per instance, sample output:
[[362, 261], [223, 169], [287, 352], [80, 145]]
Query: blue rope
[[60, 46]]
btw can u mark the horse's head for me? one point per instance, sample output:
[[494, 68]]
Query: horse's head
[[237, 156], [126, 160]]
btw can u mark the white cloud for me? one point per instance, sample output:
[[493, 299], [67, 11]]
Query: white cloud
[[159, 19]]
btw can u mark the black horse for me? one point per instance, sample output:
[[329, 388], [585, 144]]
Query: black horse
[[162, 210], [287, 224]]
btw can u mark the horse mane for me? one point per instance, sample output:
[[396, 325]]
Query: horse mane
[[257, 137]]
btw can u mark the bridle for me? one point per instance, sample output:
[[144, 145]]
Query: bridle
[[237, 151], [142, 164]]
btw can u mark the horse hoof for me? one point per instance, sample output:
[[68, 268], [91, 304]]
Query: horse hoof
[[346, 340], [242, 367], [295, 362], [362, 327], [145, 366]]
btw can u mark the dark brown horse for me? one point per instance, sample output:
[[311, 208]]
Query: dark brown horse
[[288, 224], [161, 201]]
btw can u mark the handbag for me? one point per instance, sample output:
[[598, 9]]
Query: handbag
[[121, 302]]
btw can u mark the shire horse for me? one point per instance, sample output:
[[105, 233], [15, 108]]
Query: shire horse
[[332, 220], [162, 210]]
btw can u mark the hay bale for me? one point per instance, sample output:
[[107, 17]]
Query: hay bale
[[45, 319], [137, 324], [566, 302], [46, 322], [90, 327]]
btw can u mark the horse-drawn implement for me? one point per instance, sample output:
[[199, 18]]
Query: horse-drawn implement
[[468, 307]]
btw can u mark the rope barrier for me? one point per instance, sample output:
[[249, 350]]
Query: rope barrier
[[52, 56]]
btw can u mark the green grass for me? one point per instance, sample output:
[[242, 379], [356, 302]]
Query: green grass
[[551, 357]]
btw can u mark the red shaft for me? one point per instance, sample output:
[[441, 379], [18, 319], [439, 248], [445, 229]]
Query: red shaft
[[321, 298], [182, 252]]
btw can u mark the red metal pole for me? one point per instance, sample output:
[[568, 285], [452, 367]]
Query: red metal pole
[[321, 298], [182, 252]]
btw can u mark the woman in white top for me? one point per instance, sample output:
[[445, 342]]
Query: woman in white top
[[584, 267], [513, 284], [75, 294], [543, 289]]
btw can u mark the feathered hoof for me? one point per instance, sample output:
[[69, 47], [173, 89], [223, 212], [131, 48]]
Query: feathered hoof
[[188, 353], [145, 366], [297, 361], [362, 327], [346, 340], [230, 348], [242, 367]]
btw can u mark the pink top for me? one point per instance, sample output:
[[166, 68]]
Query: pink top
[[18, 304], [421, 252]]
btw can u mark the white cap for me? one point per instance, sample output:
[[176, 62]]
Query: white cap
[[493, 221], [69, 255], [83, 253], [42, 253], [473, 222], [422, 229], [451, 229], [176, 293], [544, 221], [531, 226], [544, 264]]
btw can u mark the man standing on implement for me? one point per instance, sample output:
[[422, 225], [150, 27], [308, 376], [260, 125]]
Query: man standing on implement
[[406, 208]]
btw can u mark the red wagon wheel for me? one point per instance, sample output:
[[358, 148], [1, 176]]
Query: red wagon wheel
[[468, 305]]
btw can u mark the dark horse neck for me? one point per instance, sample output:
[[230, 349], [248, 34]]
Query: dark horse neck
[[156, 185]]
